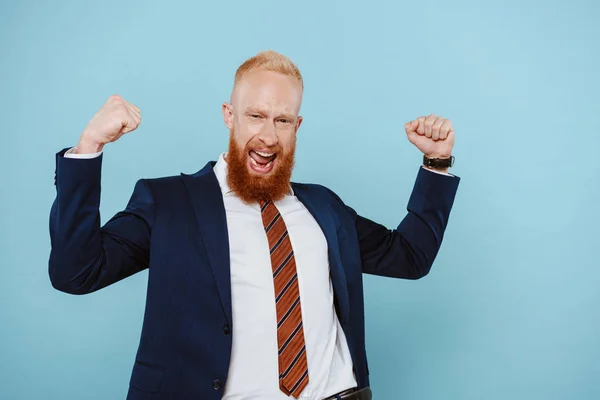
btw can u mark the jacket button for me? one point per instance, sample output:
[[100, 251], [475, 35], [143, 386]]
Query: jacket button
[[226, 329], [216, 384]]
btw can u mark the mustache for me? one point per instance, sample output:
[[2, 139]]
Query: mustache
[[256, 145]]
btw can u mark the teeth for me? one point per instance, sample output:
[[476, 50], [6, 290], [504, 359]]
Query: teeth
[[266, 155]]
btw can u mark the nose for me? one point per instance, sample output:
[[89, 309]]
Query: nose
[[268, 135]]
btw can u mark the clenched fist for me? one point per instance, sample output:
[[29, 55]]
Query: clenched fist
[[116, 118], [433, 135]]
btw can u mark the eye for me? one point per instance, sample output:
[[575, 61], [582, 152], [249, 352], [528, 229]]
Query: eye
[[285, 121], [254, 116]]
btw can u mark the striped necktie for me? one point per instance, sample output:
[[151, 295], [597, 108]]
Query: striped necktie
[[293, 365]]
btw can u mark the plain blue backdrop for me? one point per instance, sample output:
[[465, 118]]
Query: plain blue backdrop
[[510, 309]]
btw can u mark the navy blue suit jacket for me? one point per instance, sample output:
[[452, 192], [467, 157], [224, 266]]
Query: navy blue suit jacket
[[176, 227]]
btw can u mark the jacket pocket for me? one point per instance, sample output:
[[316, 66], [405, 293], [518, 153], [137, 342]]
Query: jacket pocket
[[146, 378]]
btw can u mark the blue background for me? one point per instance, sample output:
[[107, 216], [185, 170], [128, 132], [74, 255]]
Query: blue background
[[510, 309]]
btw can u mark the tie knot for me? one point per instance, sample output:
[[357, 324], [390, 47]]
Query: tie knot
[[264, 204]]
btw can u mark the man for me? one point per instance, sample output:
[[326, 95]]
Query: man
[[255, 283]]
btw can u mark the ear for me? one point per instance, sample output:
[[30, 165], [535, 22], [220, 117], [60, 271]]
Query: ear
[[227, 110], [299, 122]]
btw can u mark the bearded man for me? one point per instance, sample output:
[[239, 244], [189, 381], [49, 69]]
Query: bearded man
[[255, 282]]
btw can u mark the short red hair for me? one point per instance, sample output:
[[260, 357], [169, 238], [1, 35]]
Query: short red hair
[[271, 61]]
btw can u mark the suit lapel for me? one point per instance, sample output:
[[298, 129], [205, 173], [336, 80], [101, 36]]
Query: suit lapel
[[205, 193], [318, 205]]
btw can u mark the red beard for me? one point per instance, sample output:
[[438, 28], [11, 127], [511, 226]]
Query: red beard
[[250, 187]]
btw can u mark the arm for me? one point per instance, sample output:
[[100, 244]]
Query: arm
[[84, 256], [409, 250]]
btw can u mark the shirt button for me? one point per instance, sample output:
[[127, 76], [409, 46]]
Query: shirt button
[[226, 329], [216, 384]]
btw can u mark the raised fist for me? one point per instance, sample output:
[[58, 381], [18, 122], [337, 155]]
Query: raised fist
[[116, 118], [433, 135]]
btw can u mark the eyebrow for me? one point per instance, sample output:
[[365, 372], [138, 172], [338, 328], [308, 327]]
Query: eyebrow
[[256, 110]]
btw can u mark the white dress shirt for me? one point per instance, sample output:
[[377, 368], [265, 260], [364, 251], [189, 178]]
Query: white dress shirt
[[253, 371]]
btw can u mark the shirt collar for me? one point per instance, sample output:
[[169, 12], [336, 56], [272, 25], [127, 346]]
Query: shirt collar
[[220, 170]]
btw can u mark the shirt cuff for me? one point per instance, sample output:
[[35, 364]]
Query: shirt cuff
[[71, 154], [436, 172]]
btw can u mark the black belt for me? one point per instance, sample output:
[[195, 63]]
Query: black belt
[[353, 394]]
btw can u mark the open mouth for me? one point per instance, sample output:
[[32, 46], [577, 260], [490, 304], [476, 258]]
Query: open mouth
[[261, 162]]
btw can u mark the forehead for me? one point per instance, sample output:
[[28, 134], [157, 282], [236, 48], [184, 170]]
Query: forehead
[[268, 90]]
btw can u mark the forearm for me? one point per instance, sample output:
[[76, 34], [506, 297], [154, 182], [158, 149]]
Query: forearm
[[74, 225], [85, 256], [409, 250]]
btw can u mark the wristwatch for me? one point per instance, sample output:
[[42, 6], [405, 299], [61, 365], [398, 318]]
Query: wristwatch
[[438, 163]]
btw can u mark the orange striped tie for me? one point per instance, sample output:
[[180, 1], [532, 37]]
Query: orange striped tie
[[293, 366]]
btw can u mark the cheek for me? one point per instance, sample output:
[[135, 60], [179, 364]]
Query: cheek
[[288, 140], [243, 135], [249, 132]]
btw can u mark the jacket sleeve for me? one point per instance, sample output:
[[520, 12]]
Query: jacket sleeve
[[409, 250], [84, 256]]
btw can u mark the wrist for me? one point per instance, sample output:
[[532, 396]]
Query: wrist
[[86, 146], [438, 155]]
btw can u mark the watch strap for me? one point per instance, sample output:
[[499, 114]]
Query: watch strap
[[438, 163]]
